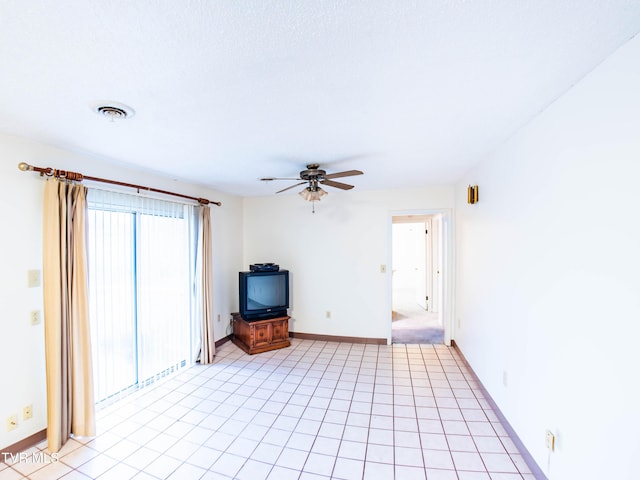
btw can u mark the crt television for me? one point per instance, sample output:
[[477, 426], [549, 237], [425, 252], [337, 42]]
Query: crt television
[[264, 295]]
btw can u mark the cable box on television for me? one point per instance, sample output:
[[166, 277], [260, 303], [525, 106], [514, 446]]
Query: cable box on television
[[264, 267]]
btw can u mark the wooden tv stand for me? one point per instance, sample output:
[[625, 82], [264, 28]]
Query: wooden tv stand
[[257, 336]]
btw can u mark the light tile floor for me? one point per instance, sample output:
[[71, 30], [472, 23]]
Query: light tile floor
[[315, 410]]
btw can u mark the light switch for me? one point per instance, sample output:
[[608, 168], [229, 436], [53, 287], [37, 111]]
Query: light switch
[[33, 278]]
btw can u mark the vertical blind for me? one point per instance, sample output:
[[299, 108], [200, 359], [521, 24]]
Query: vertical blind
[[141, 269]]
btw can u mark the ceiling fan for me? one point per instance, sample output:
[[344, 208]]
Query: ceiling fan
[[313, 177]]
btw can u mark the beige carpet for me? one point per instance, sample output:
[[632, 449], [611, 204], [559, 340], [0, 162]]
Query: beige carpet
[[411, 324]]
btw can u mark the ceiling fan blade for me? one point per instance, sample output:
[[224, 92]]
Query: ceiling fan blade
[[348, 173], [269, 179], [340, 185], [292, 186]]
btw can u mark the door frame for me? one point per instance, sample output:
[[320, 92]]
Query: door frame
[[448, 275]]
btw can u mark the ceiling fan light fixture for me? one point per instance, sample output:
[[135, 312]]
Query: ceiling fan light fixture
[[313, 194]]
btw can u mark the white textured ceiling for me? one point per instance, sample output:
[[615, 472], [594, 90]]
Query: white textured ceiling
[[226, 92]]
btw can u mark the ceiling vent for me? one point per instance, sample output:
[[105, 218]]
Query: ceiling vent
[[115, 111]]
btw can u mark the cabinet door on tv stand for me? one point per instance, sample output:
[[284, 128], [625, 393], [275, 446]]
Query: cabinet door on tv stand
[[261, 335], [280, 330]]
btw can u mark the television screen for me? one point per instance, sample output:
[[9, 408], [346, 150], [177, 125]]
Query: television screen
[[264, 294], [266, 291]]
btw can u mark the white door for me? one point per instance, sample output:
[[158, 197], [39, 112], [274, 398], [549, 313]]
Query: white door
[[435, 273], [410, 258], [409, 270], [420, 263]]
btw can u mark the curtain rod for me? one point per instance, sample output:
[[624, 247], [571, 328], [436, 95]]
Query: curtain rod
[[78, 177]]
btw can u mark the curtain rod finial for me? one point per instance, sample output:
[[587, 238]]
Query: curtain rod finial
[[25, 167]]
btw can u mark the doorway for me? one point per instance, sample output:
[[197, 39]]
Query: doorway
[[418, 247]]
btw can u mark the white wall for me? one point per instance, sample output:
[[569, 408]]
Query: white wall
[[548, 276], [22, 345], [334, 255]]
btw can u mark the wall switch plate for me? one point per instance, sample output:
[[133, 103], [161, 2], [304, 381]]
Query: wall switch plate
[[549, 440], [33, 278], [383, 269]]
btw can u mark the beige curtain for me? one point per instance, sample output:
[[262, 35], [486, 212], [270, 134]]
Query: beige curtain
[[70, 403], [205, 285]]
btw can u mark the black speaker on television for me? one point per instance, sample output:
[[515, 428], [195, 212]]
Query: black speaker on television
[[264, 267]]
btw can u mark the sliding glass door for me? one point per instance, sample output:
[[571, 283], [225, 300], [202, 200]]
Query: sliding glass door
[[163, 294], [140, 266]]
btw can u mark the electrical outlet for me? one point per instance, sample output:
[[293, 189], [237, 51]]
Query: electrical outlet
[[12, 422], [34, 317], [27, 412], [549, 440]]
